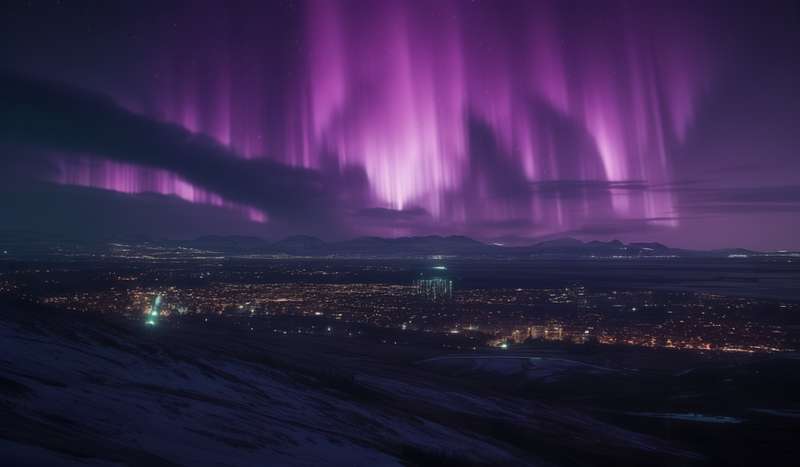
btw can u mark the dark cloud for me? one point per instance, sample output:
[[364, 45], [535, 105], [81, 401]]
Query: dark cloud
[[710, 209], [775, 194], [741, 169], [678, 185], [577, 189], [576, 156], [492, 173], [505, 224], [95, 213], [21, 165], [57, 117], [774, 199], [384, 213]]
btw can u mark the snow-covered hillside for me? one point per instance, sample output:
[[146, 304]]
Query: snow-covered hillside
[[85, 390]]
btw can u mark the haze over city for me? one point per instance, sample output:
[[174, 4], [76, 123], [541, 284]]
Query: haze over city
[[509, 122]]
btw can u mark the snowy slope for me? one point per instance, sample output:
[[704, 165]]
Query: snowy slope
[[107, 393]]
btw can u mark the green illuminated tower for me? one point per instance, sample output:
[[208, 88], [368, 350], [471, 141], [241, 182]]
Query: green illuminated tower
[[155, 310]]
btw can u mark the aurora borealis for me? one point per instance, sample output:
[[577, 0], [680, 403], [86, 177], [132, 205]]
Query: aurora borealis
[[505, 121]]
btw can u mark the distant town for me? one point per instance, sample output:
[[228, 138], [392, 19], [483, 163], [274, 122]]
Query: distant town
[[340, 298]]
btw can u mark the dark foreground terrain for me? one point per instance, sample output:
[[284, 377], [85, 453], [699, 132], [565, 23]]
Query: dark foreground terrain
[[85, 389]]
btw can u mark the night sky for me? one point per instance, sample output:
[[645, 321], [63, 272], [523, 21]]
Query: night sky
[[506, 121]]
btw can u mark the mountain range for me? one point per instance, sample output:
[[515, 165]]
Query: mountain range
[[30, 242]]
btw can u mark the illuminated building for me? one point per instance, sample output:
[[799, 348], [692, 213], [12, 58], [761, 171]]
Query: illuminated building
[[435, 290]]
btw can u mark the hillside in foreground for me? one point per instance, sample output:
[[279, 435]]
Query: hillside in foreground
[[81, 388]]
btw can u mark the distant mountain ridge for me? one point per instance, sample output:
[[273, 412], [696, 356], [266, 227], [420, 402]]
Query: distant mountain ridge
[[21, 241]]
